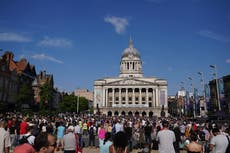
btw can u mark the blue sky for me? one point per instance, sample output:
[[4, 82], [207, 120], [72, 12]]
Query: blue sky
[[79, 41]]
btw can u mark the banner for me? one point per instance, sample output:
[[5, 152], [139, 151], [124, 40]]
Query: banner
[[162, 97], [221, 92], [196, 99], [221, 88], [187, 101], [207, 96]]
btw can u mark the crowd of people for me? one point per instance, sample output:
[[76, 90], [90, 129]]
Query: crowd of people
[[70, 133]]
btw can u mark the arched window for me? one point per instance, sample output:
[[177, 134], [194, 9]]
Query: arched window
[[150, 114], [109, 113], [116, 113], [143, 113]]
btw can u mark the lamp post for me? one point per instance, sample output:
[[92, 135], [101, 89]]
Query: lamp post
[[202, 83], [194, 106], [77, 104], [182, 97], [217, 85]]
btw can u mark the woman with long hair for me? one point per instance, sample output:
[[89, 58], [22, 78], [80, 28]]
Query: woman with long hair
[[120, 143]]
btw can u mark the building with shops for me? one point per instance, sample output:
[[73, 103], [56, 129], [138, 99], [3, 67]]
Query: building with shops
[[130, 93]]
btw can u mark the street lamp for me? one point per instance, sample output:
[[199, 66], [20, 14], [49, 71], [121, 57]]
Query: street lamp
[[77, 103], [182, 96], [194, 106], [202, 83], [217, 85]]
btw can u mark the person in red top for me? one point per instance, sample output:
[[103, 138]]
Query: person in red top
[[24, 148], [23, 127]]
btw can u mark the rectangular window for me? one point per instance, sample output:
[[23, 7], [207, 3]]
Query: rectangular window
[[143, 98], [130, 98]]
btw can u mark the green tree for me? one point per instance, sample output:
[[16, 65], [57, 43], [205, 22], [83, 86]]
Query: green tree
[[45, 96], [24, 95], [69, 104]]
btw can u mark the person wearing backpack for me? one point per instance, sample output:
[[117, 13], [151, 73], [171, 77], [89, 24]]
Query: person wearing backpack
[[92, 134], [29, 137], [219, 142]]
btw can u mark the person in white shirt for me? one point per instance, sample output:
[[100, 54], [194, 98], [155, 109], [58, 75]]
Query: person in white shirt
[[219, 142], [165, 139], [30, 137], [4, 138]]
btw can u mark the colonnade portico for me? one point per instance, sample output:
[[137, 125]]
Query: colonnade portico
[[131, 97]]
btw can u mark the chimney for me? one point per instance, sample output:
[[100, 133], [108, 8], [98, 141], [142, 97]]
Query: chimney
[[8, 56]]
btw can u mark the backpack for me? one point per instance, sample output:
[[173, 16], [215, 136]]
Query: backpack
[[24, 139], [91, 130], [202, 136], [113, 129], [228, 147]]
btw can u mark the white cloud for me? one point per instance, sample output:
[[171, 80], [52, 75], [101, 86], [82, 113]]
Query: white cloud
[[228, 61], [13, 37], [55, 42], [45, 57], [213, 35], [118, 23]]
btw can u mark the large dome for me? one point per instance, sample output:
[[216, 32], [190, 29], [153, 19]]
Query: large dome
[[130, 51]]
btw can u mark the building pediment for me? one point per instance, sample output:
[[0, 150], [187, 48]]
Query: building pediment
[[130, 82]]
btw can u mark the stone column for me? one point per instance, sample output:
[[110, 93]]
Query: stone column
[[119, 96], [113, 101], [106, 97], [133, 97], [157, 97], [147, 96], [140, 97], [126, 96], [154, 98]]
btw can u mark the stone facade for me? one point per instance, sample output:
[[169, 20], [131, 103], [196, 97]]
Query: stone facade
[[130, 93], [84, 93], [13, 76]]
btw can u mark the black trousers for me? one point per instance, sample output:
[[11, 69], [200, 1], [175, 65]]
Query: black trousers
[[91, 140]]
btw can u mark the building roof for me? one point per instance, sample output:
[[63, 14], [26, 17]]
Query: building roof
[[130, 51]]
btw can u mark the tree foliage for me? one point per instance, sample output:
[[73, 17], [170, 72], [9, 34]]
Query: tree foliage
[[45, 95], [24, 95], [69, 104]]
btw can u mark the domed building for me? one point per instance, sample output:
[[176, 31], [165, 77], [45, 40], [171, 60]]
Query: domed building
[[130, 93]]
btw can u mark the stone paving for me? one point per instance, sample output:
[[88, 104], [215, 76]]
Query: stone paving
[[96, 150]]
